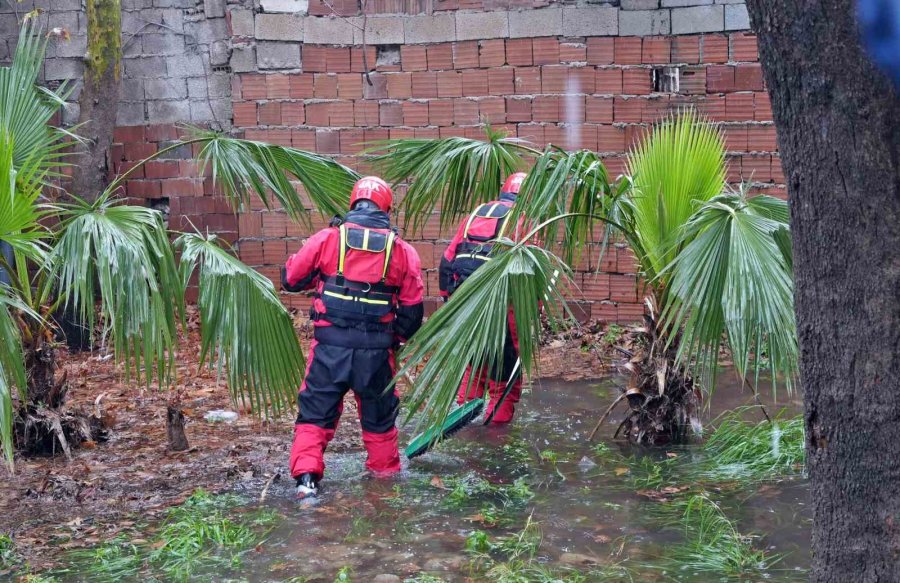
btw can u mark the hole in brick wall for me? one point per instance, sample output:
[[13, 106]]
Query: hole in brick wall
[[666, 79], [387, 55], [222, 69], [161, 205]]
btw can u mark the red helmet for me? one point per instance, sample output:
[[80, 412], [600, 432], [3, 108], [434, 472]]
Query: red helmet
[[374, 189], [513, 183]]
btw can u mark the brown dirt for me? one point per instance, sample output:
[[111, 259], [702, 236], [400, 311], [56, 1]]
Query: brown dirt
[[51, 503]]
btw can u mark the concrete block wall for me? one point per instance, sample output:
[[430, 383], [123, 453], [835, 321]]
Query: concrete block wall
[[176, 57], [574, 74]]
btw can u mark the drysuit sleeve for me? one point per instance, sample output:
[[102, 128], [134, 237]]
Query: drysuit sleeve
[[301, 269], [445, 271], [410, 309]]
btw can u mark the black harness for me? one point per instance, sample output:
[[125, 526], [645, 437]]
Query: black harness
[[474, 250]]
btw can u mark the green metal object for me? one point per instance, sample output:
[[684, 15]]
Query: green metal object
[[456, 420]]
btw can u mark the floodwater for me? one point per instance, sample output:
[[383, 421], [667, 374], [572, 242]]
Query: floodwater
[[585, 514], [589, 515]]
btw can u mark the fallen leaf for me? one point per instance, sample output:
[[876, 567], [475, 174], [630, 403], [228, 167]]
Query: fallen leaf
[[602, 538], [621, 471], [670, 454], [437, 482]]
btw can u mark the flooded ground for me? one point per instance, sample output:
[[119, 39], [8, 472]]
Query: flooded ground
[[595, 520]]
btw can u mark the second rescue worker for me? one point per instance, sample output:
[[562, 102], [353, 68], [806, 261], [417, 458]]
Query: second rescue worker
[[368, 299]]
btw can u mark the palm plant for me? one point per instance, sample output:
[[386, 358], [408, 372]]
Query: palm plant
[[715, 264], [114, 266]]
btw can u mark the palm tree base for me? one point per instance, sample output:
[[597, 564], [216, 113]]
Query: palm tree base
[[663, 397]]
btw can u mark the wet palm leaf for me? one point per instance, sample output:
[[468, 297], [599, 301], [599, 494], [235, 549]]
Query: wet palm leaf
[[453, 174], [471, 328], [244, 167], [245, 324], [122, 253], [733, 277], [12, 368]]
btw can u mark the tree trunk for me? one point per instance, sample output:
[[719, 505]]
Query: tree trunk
[[99, 97], [838, 122]]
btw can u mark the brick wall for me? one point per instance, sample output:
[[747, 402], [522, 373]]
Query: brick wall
[[579, 76]]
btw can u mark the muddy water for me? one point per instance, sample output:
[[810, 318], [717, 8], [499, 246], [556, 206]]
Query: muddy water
[[587, 513]]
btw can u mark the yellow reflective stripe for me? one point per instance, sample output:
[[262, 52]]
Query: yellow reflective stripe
[[343, 250], [387, 254], [355, 298], [503, 224], [366, 239], [473, 256], [472, 217]]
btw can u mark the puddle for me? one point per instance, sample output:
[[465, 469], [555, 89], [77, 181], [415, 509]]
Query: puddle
[[418, 522]]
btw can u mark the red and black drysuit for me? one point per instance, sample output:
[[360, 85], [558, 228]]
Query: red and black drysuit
[[368, 299], [469, 250]]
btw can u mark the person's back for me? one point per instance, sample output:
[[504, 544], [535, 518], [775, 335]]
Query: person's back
[[469, 249], [368, 299]]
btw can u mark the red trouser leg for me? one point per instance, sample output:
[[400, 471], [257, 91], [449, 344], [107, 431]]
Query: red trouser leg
[[320, 409], [373, 371], [496, 388], [475, 390]]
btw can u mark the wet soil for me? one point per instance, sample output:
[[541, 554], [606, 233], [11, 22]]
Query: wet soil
[[51, 504]]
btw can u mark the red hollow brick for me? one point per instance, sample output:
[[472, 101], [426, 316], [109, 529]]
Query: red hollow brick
[[465, 54], [735, 138], [762, 138], [527, 80], [600, 51], [293, 113], [278, 86], [627, 110], [317, 114], [518, 109], [270, 113], [519, 52], [756, 168], [244, 113], [399, 85], [301, 85], [492, 110], [581, 80], [553, 78], [253, 87], [378, 87], [449, 84], [391, 114], [777, 171], [440, 112], [313, 58], [325, 86], [127, 134], [545, 108], [474, 82], [762, 107], [415, 113], [719, 79], [545, 51], [743, 46], [501, 81], [610, 138], [627, 50], [656, 49], [424, 84], [492, 53], [350, 86], [139, 151], [713, 48], [748, 77], [337, 59], [341, 114], [328, 142], [693, 81], [636, 81], [739, 106], [362, 61], [413, 58], [686, 49], [572, 52], [440, 56], [143, 188], [608, 81], [599, 109], [465, 112], [365, 113]]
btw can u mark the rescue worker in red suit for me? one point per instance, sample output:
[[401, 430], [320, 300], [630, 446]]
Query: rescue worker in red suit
[[368, 299], [469, 250]]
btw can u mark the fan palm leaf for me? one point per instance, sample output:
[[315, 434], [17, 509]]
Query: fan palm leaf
[[27, 109], [471, 328], [732, 279], [245, 324], [682, 162], [19, 212], [122, 253], [453, 174], [12, 368], [244, 167]]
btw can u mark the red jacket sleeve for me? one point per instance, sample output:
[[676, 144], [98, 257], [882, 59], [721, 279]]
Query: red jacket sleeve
[[445, 273], [302, 267], [410, 310]]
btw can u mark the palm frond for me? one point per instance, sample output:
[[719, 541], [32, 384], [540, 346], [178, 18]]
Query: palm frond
[[455, 174], [26, 109], [680, 164], [19, 212], [244, 322], [244, 167], [732, 276], [122, 252], [12, 368], [577, 185], [471, 328]]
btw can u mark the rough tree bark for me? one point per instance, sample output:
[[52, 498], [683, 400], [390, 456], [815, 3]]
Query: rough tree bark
[[838, 123], [99, 97]]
